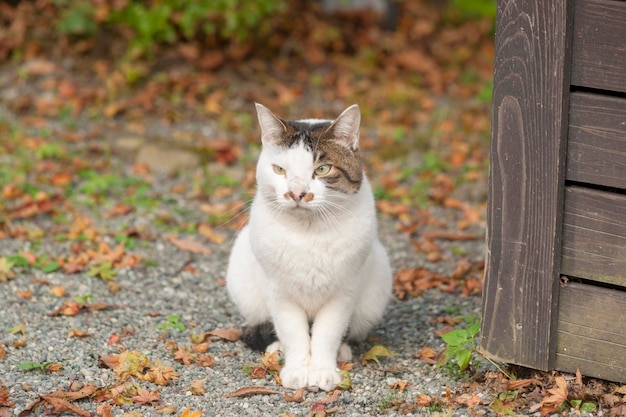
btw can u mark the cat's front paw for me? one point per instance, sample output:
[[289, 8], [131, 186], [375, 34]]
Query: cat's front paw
[[294, 377], [324, 378]]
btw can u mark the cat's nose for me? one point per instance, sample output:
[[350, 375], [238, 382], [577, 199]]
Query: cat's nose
[[297, 197]]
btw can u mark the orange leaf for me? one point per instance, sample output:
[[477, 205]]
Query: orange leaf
[[189, 245], [207, 231], [558, 394], [188, 413], [297, 396], [232, 334], [146, 397], [197, 387], [77, 333], [248, 391]]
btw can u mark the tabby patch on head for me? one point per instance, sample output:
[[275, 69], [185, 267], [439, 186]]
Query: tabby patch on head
[[334, 145]]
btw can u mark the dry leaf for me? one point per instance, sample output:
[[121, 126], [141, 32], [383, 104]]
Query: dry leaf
[[232, 334], [188, 413], [207, 231], [104, 410], [189, 245], [146, 397], [400, 385], [159, 373], [77, 333], [197, 387], [558, 394], [297, 396], [248, 391], [374, 353]]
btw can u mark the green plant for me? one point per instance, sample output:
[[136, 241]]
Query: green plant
[[34, 366], [173, 322], [461, 346], [104, 271], [165, 21], [84, 299]]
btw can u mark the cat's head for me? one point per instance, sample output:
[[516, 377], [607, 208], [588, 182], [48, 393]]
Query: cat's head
[[309, 164]]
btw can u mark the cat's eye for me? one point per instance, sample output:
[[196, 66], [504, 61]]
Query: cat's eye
[[322, 170], [279, 170]]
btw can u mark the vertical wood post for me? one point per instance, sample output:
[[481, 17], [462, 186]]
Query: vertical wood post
[[529, 136]]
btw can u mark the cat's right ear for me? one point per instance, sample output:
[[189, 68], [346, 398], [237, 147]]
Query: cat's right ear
[[271, 126]]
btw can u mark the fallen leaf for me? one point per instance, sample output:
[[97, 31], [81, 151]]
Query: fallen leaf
[[58, 291], [207, 231], [146, 397], [501, 408], [5, 269], [248, 391], [159, 373], [558, 394], [297, 396], [374, 353], [232, 334], [400, 385], [271, 361], [188, 413], [205, 361], [77, 333], [126, 364], [4, 397], [189, 245], [104, 410], [197, 387], [68, 308]]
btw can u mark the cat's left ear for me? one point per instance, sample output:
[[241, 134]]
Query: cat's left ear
[[271, 126], [346, 126]]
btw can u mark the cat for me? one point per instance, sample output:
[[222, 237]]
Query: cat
[[309, 267]]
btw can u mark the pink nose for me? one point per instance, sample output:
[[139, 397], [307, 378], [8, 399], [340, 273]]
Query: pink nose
[[297, 197]]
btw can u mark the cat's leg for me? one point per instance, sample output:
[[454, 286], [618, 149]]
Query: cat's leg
[[375, 295], [292, 328], [328, 329], [243, 281]]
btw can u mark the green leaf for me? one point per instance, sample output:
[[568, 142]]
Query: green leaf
[[173, 322], [463, 358], [474, 329], [104, 271], [457, 337], [588, 407], [50, 267], [32, 366], [346, 381], [374, 353], [500, 408]]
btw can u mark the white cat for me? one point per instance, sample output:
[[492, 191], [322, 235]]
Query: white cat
[[309, 266]]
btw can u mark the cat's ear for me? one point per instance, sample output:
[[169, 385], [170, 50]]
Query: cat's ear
[[271, 126], [346, 126]]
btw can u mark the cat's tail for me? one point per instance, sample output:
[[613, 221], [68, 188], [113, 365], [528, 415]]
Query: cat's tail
[[260, 336]]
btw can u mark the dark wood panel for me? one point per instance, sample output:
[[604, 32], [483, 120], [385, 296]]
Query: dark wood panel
[[592, 332], [599, 53], [531, 86], [596, 150], [594, 235]]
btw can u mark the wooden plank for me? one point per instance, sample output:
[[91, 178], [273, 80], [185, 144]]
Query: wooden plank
[[594, 235], [596, 150], [529, 129], [592, 331], [599, 52]]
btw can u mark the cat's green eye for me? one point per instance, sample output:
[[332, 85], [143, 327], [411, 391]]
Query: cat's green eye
[[279, 170], [322, 170]]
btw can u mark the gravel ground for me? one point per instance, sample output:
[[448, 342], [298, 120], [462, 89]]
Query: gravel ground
[[202, 303]]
